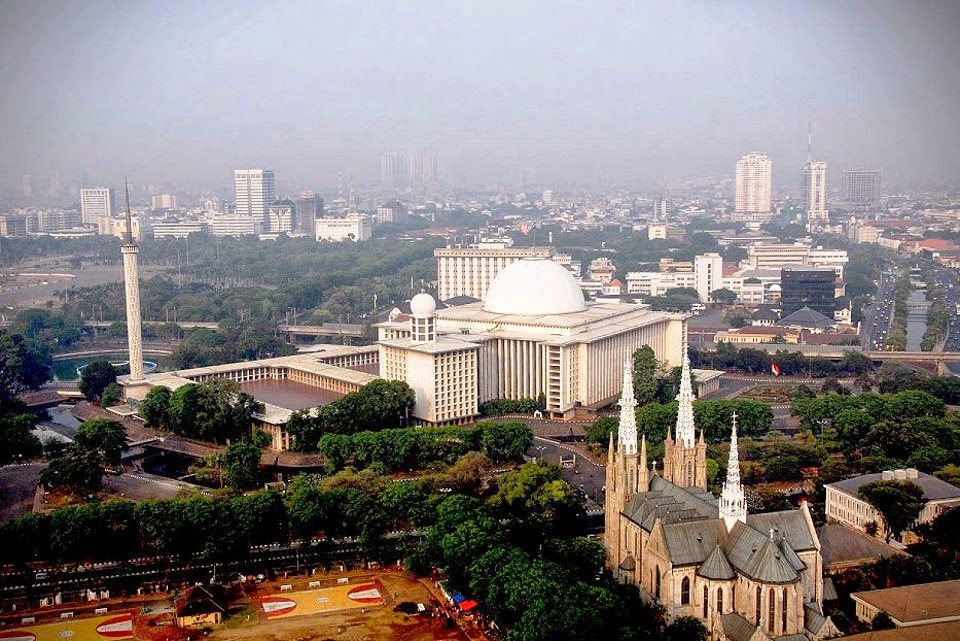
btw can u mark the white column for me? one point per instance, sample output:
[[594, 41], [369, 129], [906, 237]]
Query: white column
[[134, 333]]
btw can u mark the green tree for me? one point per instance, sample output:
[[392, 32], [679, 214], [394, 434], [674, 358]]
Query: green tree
[[645, 368], [241, 461], [111, 395], [104, 437], [155, 407], [686, 628], [24, 365], [505, 442], [899, 502], [537, 502], [723, 296], [78, 471], [95, 378]]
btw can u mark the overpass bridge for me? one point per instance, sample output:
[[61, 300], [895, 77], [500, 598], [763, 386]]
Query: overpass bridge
[[327, 329], [837, 351]]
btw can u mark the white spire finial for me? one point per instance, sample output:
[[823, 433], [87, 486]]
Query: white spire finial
[[733, 503], [685, 433], [627, 433]]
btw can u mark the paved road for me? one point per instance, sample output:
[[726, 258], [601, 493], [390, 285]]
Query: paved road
[[18, 485]]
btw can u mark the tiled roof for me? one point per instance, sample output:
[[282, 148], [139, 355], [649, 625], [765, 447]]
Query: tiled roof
[[840, 544], [736, 628], [757, 556], [789, 524], [916, 602], [716, 566], [933, 488]]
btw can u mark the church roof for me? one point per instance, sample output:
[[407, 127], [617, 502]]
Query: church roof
[[736, 628], [789, 523], [691, 543], [813, 619], [757, 556], [671, 504], [716, 566]]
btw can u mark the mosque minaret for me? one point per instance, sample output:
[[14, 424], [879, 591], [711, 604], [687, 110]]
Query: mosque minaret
[[131, 281]]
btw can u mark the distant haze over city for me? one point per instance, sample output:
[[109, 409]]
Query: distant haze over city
[[181, 93]]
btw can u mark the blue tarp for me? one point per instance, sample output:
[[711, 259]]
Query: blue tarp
[[459, 598]]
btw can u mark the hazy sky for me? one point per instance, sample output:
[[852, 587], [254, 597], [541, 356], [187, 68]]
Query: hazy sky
[[185, 91]]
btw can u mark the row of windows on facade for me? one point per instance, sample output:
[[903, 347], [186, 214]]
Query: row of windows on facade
[[758, 606]]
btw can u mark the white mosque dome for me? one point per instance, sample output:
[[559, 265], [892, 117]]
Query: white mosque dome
[[423, 305], [534, 287]]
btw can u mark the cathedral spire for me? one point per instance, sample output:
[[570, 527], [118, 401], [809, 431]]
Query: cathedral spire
[[627, 436], [643, 482], [733, 504], [686, 434]]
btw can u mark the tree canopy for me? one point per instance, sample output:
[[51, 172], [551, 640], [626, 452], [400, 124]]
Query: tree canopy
[[899, 502]]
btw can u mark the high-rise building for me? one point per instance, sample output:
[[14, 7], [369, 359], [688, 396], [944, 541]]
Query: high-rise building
[[255, 190], [309, 208], [400, 170], [164, 201], [811, 287], [282, 215], [708, 273], [752, 188], [392, 212], [861, 188], [392, 170], [469, 271], [813, 192], [94, 203]]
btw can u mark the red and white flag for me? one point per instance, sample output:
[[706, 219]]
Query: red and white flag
[[775, 369]]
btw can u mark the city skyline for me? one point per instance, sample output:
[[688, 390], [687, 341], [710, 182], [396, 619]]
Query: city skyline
[[150, 90]]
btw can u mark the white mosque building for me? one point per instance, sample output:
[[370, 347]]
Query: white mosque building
[[533, 334]]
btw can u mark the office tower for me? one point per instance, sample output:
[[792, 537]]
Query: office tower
[[282, 215], [393, 170], [94, 203], [309, 208], [26, 186], [752, 188], [861, 188], [813, 192], [164, 201], [708, 274], [400, 170], [811, 287], [255, 190]]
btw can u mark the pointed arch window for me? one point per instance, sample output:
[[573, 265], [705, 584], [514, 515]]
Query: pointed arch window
[[783, 611], [685, 591], [758, 608], [771, 611], [656, 583], [719, 600], [706, 601]]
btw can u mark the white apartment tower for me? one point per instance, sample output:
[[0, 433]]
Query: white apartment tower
[[752, 188], [95, 203], [255, 191], [813, 192], [469, 271], [708, 274]]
